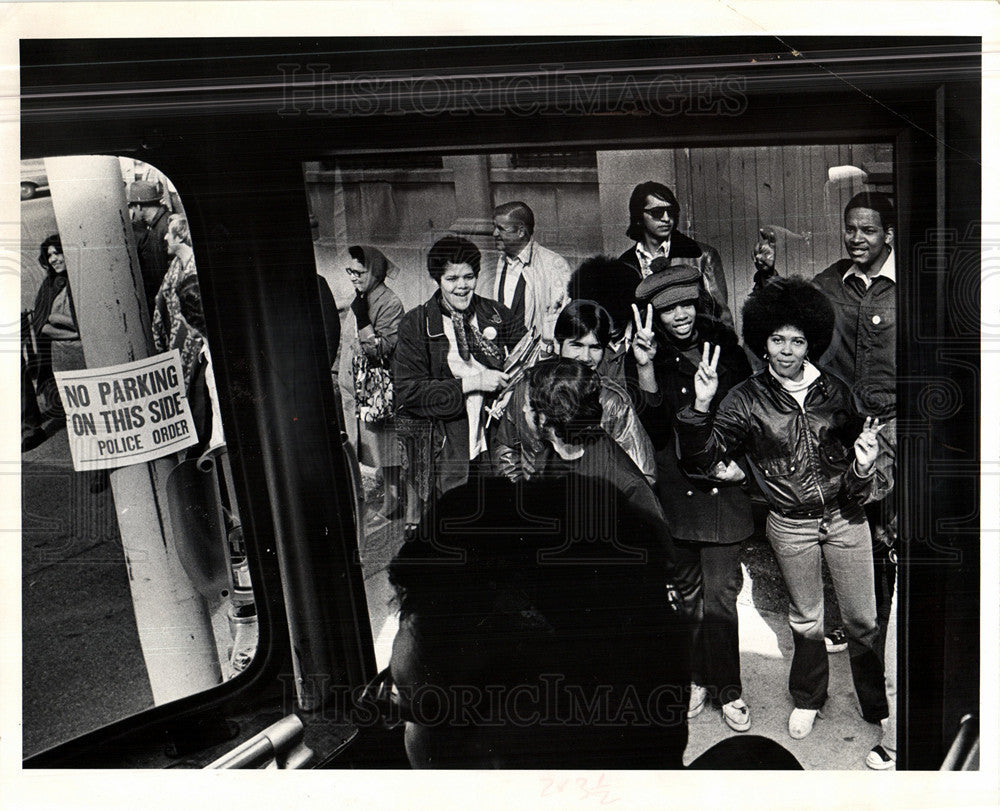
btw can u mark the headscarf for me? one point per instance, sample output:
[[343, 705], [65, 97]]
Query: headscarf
[[374, 261]]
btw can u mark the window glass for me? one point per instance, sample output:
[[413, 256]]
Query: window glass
[[135, 584], [374, 224]]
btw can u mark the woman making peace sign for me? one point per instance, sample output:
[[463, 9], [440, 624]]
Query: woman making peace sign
[[796, 424]]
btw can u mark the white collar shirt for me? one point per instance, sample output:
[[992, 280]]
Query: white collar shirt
[[645, 257], [887, 271], [516, 266]]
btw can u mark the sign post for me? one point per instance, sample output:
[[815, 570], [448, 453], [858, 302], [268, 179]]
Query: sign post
[[175, 631]]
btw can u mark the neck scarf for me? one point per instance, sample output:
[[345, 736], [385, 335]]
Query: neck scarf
[[470, 339]]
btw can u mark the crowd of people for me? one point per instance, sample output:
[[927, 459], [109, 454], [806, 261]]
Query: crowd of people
[[625, 382], [51, 343], [574, 455]]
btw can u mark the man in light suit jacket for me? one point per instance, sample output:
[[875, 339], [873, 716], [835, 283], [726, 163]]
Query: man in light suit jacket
[[530, 279]]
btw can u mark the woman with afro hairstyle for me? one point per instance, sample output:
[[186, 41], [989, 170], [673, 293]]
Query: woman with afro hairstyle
[[797, 425]]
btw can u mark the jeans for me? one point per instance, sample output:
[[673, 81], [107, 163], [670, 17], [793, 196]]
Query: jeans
[[708, 577], [845, 543], [889, 722]]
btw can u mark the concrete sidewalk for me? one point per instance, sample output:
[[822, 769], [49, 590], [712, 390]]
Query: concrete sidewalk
[[841, 738]]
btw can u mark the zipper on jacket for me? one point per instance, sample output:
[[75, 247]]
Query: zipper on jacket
[[809, 449]]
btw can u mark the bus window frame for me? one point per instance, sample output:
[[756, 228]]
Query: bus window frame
[[214, 201]]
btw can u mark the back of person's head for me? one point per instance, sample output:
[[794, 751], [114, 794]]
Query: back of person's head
[[609, 282], [452, 250], [790, 301], [519, 212], [580, 318], [637, 204], [568, 394], [877, 202], [507, 585]]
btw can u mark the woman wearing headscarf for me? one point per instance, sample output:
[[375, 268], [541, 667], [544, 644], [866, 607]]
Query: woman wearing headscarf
[[369, 334]]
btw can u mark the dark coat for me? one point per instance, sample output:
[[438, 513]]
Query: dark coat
[[426, 389], [697, 507], [686, 251], [152, 251], [589, 662], [331, 320], [863, 349]]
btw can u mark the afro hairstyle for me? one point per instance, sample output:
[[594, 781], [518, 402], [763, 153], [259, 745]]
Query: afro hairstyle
[[788, 302], [609, 282]]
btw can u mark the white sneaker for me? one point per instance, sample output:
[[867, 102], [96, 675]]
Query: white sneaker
[[737, 715], [800, 722], [879, 759], [699, 697]]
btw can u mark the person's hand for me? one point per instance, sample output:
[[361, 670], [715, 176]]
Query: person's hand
[[866, 445], [763, 252], [360, 309], [644, 341], [706, 379], [488, 380], [727, 472]]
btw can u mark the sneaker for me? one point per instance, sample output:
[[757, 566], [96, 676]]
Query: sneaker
[[737, 715], [800, 722], [836, 641], [880, 760], [699, 697]]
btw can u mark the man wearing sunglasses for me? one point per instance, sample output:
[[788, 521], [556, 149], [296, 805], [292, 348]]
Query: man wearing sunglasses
[[653, 216]]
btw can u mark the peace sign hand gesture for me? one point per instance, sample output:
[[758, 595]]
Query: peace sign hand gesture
[[706, 379], [866, 445], [644, 341]]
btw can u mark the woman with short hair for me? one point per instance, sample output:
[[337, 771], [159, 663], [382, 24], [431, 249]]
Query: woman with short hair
[[797, 424], [450, 356]]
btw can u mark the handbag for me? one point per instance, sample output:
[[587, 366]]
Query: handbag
[[373, 394]]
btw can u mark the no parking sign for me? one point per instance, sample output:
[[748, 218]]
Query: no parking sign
[[126, 414]]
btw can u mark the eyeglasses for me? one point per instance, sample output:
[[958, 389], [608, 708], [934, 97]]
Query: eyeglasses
[[657, 212], [354, 273]]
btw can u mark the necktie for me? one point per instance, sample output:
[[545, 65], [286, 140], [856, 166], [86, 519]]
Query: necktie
[[856, 284], [503, 281]]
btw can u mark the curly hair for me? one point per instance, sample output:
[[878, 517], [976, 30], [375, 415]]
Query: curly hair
[[609, 282], [51, 241], [788, 302], [452, 250], [568, 393]]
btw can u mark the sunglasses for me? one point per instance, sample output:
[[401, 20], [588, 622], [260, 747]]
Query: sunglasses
[[657, 212]]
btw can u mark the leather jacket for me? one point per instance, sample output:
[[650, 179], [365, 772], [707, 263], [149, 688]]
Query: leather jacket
[[802, 457]]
